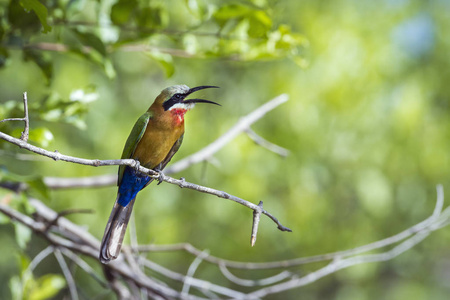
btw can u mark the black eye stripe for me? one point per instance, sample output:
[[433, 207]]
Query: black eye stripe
[[176, 98]]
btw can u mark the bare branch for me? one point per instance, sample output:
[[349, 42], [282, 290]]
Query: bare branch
[[259, 282], [256, 218], [83, 265], [74, 238], [40, 257], [221, 194], [205, 154], [190, 273], [132, 163], [77, 182], [436, 221], [67, 274], [25, 133]]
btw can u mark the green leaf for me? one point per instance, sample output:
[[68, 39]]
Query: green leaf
[[231, 11], [15, 286], [3, 56], [38, 186], [40, 10], [152, 17], [41, 59], [23, 234], [121, 11], [19, 19], [91, 40], [260, 24], [41, 135], [165, 60]]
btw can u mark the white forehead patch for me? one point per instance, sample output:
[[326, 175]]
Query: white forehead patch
[[178, 89]]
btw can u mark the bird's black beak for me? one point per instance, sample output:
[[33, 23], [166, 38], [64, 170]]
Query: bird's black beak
[[200, 100]]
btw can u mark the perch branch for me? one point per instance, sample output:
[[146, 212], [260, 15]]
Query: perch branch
[[206, 153]]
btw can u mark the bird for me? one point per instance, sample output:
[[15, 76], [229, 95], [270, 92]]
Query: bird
[[155, 138]]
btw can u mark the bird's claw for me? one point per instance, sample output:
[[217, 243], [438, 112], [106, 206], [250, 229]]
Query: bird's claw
[[159, 176], [137, 165]]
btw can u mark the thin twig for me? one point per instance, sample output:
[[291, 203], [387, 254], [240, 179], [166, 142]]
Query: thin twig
[[221, 194], [242, 125], [191, 270], [435, 221], [38, 258], [339, 264], [259, 140], [75, 238], [256, 218], [83, 265], [259, 282], [194, 282], [67, 274], [25, 132]]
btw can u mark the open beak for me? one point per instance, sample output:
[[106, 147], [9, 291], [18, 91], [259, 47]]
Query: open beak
[[200, 100]]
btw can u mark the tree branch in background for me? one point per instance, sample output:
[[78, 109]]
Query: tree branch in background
[[243, 124], [73, 240]]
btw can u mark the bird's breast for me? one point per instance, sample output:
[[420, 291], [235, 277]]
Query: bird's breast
[[158, 139]]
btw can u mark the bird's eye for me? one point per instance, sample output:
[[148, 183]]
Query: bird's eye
[[178, 96]]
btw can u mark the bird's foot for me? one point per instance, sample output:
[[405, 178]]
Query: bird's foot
[[159, 176], [137, 165]]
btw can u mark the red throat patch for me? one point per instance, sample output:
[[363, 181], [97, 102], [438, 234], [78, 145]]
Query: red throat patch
[[178, 115]]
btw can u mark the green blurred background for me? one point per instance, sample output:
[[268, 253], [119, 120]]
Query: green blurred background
[[367, 126]]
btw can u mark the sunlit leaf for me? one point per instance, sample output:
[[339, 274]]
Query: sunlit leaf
[[47, 287], [37, 185], [121, 11], [15, 286], [231, 11], [41, 136], [152, 17], [165, 60]]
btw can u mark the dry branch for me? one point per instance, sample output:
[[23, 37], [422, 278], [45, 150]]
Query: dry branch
[[73, 240]]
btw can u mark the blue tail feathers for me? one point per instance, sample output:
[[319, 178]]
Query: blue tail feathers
[[132, 183]]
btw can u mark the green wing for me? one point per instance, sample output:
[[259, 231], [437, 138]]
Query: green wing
[[133, 139], [172, 152]]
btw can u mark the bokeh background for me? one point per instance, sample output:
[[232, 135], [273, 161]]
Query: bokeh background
[[367, 126]]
